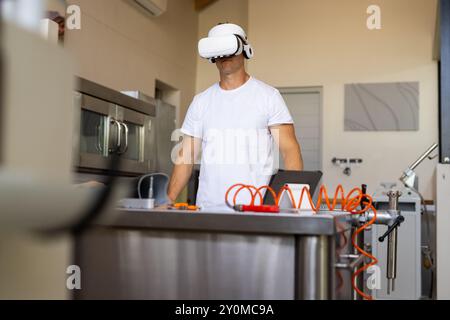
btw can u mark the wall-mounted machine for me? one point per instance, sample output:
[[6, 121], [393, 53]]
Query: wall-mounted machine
[[153, 8], [114, 124], [165, 125]]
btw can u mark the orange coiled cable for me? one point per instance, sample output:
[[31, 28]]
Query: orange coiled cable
[[349, 203], [361, 251], [242, 186]]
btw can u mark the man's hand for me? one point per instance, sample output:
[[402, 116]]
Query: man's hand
[[284, 135], [182, 170]]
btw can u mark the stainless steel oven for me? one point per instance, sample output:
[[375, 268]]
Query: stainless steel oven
[[113, 123]]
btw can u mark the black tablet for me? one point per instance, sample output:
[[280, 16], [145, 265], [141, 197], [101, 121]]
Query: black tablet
[[282, 177]]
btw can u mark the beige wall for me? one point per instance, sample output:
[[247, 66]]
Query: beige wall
[[234, 11], [326, 43], [122, 48]]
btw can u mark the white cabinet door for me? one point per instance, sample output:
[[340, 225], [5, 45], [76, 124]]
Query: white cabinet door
[[305, 106]]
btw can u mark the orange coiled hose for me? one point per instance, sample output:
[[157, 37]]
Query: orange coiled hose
[[349, 203]]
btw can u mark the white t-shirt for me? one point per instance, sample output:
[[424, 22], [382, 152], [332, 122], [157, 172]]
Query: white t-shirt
[[237, 146]]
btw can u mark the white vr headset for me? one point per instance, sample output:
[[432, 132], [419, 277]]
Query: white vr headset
[[225, 40]]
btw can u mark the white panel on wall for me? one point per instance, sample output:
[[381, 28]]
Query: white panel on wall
[[382, 106]]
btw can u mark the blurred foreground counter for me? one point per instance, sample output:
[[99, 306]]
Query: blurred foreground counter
[[184, 255]]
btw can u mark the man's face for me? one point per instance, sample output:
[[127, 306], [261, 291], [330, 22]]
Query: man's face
[[230, 65]]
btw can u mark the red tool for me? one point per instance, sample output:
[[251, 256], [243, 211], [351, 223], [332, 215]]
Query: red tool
[[254, 208]]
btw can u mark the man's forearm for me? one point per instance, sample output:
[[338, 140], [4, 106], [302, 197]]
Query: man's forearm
[[285, 137], [293, 159], [179, 179], [182, 170], [293, 163]]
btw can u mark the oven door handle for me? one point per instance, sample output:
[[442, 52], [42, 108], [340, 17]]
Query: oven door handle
[[119, 133], [99, 134], [126, 138]]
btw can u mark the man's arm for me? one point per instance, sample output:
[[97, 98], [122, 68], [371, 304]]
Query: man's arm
[[182, 170], [284, 135]]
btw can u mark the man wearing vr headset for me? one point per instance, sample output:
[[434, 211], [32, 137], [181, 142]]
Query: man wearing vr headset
[[234, 123]]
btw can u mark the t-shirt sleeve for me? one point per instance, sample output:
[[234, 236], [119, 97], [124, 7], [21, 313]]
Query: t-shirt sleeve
[[192, 124], [278, 111]]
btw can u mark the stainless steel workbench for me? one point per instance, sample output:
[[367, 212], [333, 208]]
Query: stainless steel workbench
[[183, 255]]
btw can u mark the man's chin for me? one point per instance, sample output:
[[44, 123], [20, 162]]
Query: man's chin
[[226, 72]]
